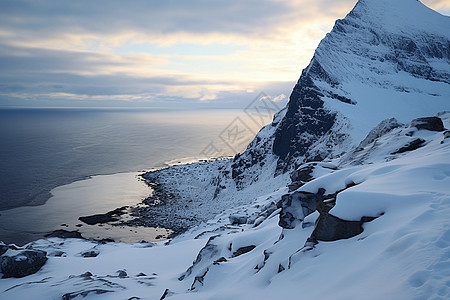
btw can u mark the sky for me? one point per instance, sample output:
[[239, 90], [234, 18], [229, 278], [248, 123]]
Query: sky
[[161, 54]]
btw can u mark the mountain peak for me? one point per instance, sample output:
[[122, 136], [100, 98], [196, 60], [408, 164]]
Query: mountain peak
[[401, 16]]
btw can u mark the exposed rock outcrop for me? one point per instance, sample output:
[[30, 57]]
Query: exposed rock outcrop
[[21, 262], [296, 206], [428, 123]]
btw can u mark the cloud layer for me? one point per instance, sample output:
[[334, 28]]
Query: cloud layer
[[110, 52]]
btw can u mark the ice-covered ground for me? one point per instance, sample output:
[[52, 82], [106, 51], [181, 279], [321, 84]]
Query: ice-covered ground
[[403, 254]]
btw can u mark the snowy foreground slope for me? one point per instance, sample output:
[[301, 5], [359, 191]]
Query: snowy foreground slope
[[346, 195], [400, 188]]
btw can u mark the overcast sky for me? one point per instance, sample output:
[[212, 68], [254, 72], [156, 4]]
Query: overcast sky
[[212, 53]]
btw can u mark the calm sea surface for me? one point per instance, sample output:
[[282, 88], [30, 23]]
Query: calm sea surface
[[41, 149], [45, 148]]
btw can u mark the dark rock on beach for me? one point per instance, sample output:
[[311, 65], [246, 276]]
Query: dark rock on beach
[[64, 234], [111, 216]]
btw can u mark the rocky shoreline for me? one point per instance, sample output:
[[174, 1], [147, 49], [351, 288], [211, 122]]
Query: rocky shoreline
[[159, 210]]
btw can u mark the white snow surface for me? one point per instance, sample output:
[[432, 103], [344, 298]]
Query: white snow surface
[[403, 254]]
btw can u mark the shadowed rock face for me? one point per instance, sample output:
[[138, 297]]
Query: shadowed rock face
[[296, 206], [22, 263], [305, 122], [413, 145], [428, 123], [243, 250], [331, 228]]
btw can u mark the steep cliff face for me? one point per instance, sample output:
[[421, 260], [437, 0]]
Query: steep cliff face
[[384, 59]]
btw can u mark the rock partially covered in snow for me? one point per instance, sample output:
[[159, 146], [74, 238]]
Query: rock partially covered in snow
[[238, 219], [428, 123], [304, 173], [411, 146], [308, 172], [243, 250], [331, 228], [296, 206], [21, 262]]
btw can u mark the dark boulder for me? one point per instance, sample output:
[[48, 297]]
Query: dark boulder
[[305, 173], [23, 263], [220, 260], [90, 253], [122, 274], [428, 123], [331, 228], [243, 250]]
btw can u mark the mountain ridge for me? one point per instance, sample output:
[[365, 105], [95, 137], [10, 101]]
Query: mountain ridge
[[355, 52]]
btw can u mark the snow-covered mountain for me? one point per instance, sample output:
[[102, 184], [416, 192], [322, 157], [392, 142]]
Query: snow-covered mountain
[[344, 196], [384, 59]]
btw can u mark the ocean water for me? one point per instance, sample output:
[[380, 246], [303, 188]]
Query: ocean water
[[46, 153]]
